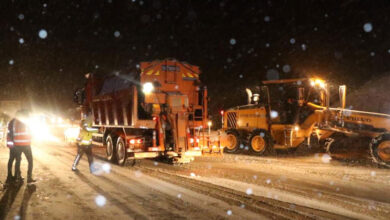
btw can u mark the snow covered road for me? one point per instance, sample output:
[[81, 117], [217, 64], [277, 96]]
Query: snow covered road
[[232, 186]]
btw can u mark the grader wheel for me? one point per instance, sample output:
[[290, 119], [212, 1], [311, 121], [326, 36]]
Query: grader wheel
[[233, 140], [260, 142], [380, 150]]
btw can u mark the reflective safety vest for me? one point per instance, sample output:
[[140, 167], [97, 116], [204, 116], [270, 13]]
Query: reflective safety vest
[[19, 134], [85, 136]]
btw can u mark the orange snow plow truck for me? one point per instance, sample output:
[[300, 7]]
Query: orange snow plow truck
[[160, 111]]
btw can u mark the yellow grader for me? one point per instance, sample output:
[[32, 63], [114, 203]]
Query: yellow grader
[[286, 114]]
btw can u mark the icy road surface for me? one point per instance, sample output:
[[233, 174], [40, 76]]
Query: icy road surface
[[233, 186]]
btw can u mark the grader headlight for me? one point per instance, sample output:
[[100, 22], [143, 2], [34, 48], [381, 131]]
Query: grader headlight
[[317, 83]]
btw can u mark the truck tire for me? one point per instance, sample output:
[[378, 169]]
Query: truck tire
[[121, 155], [110, 149], [233, 141], [380, 150], [259, 142]]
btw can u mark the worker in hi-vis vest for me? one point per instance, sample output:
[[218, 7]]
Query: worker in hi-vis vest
[[19, 141], [84, 143]]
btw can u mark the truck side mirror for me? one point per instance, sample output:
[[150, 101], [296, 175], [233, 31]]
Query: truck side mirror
[[249, 93], [79, 96], [301, 96], [342, 95]]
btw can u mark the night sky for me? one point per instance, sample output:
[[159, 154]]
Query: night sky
[[46, 47]]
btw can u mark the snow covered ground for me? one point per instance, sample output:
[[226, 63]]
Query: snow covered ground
[[233, 186]]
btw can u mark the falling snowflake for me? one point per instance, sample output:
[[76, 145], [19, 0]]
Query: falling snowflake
[[242, 206], [229, 212], [249, 191], [267, 45], [117, 34], [138, 173], [232, 41], [373, 173], [42, 33], [11, 62], [106, 167], [193, 175], [179, 196], [326, 158], [100, 200], [241, 76], [372, 54], [267, 19], [262, 134], [268, 181], [44, 5], [21, 16], [255, 177], [155, 163], [304, 47], [367, 27], [21, 40], [274, 114], [286, 68], [16, 217], [292, 41], [96, 66]]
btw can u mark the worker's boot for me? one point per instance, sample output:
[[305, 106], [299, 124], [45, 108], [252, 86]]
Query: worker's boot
[[31, 180], [74, 168], [9, 180]]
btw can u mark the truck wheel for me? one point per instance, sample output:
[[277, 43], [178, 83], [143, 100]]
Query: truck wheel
[[110, 149], [121, 151], [233, 139], [259, 142], [380, 149]]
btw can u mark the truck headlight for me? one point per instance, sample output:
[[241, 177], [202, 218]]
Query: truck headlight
[[148, 88]]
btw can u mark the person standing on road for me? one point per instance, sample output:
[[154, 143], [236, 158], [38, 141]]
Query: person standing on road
[[12, 153], [21, 138], [84, 144]]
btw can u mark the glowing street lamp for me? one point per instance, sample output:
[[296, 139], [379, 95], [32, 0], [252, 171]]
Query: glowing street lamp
[[209, 123]]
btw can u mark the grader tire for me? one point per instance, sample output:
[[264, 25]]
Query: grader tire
[[380, 150], [234, 141], [260, 143]]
